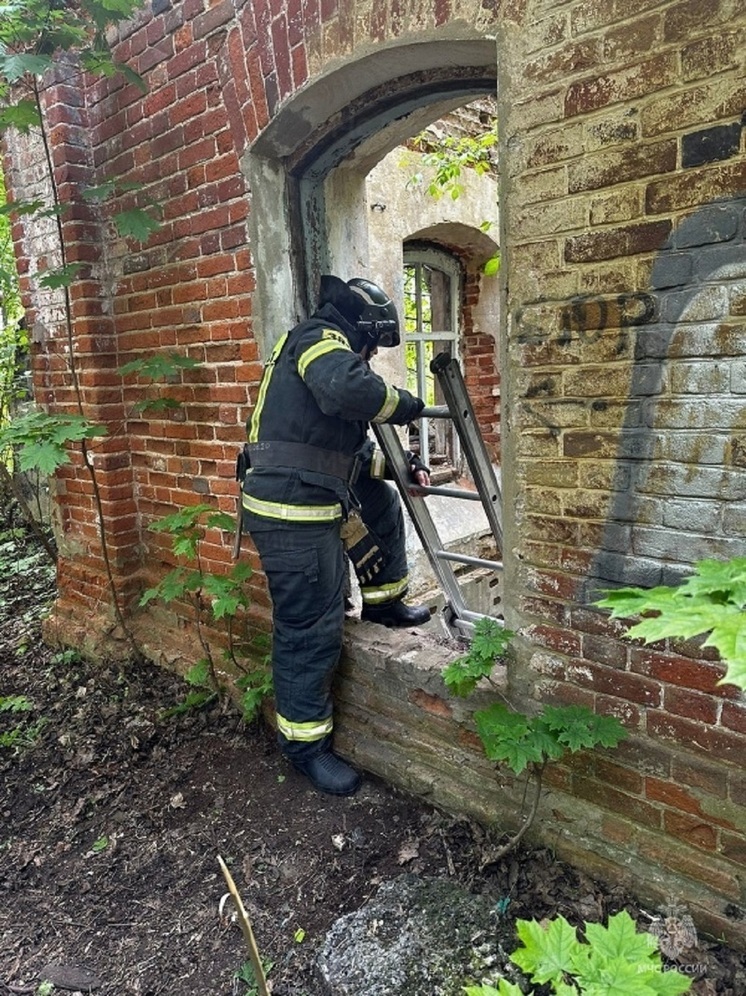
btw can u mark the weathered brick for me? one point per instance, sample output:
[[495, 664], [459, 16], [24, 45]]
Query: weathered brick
[[693, 831], [710, 145], [683, 19], [690, 189], [710, 55], [624, 241], [610, 798], [628, 84], [611, 167], [722, 744]]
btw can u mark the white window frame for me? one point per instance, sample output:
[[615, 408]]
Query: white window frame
[[443, 261]]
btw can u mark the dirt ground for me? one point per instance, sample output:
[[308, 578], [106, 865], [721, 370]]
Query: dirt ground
[[112, 818]]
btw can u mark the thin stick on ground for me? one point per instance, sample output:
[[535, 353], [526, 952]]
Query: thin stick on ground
[[248, 933]]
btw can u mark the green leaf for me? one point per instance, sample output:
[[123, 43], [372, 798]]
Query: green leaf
[[103, 191], [45, 457], [712, 601], [158, 366], [42, 438], [20, 208], [185, 518], [684, 619], [507, 736], [547, 952], [16, 65], [23, 116], [241, 572], [619, 979], [136, 223], [225, 593], [61, 277], [176, 584], [155, 405], [492, 266], [577, 727], [620, 939], [491, 638], [726, 579], [221, 520], [131, 76], [199, 675], [15, 703]]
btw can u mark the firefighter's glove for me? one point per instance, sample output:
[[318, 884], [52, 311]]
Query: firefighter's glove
[[361, 547], [416, 465]]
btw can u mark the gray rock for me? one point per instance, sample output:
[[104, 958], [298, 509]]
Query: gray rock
[[415, 937]]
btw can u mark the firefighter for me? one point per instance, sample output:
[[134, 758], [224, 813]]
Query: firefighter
[[308, 498]]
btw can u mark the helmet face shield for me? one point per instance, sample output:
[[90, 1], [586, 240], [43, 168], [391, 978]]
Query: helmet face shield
[[388, 337], [378, 319]]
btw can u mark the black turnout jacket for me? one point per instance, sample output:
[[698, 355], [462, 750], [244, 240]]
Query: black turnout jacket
[[315, 401]]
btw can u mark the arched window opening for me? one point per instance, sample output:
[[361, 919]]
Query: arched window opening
[[432, 292]]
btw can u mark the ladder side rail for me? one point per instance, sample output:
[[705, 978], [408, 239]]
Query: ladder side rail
[[449, 376], [420, 515]]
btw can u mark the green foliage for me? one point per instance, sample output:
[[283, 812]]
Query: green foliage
[[187, 528], [447, 159], [100, 844], [521, 741], [614, 960], [43, 439], [246, 974], [25, 731], [712, 601], [490, 642], [158, 366], [63, 276], [224, 595], [15, 703], [13, 337], [34, 32], [201, 692], [255, 687], [518, 740]]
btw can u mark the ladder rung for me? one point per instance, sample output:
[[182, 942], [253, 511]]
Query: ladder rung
[[464, 558], [447, 492], [435, 411]]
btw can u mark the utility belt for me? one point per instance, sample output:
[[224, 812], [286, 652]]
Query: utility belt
[[297, 456]]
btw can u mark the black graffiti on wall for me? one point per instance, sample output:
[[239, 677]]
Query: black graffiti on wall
[[679, 447], [590, 316]]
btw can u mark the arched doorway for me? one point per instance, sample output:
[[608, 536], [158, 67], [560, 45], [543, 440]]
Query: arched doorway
[[307, 169]]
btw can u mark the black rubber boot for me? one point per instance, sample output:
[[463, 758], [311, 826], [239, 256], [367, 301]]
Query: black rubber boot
[[396, 614], [329, 773]]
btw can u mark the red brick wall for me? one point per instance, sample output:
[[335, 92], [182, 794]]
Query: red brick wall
[[622, 194]]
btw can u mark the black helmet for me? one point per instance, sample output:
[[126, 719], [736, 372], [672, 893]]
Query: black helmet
[[364, 305], [378, 319]]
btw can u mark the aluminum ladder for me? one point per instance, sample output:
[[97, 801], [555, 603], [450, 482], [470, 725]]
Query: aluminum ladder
[[458, 619]]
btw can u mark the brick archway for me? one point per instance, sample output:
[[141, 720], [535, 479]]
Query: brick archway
[[290, 161]]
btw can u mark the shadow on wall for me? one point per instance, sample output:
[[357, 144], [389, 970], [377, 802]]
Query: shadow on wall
[[681, 455]]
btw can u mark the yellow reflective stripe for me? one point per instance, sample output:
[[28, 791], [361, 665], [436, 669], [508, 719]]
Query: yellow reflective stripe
[[291, 513], [389, 405], [333, 334], [386, 592], [269, 368], [314, 352], [307, 732]]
